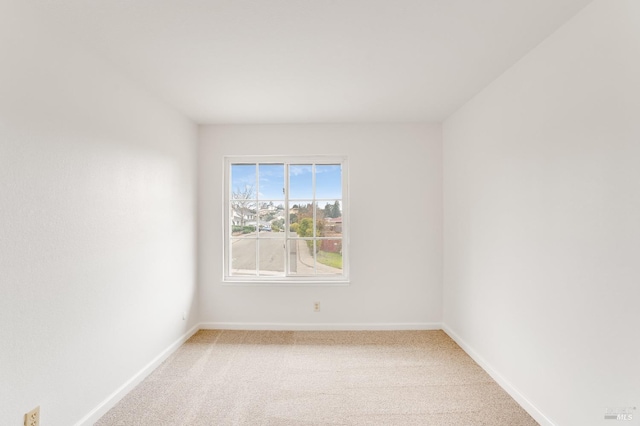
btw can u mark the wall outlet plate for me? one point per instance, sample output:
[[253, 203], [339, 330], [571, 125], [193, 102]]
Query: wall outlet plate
[[32, 418]]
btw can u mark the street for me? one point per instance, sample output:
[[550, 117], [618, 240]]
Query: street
[[272, 252]]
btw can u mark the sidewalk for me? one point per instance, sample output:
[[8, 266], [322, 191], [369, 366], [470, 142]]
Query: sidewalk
[[305, 262]]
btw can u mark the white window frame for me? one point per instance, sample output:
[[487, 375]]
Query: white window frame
[[285, 279]]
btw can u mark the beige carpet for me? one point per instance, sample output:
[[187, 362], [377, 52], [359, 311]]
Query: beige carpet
[[318, 378]]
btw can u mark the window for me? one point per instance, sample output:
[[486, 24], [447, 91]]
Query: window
[[285, 219]]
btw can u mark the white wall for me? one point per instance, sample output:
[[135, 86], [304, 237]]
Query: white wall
[[542, 229], [97, 219], [395, 174]]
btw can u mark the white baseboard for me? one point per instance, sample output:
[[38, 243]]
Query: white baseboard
[[504, 383], [128, 386], [318, 326]]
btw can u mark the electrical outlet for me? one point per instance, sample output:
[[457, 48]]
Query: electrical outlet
[[32, 418], [316, 307]]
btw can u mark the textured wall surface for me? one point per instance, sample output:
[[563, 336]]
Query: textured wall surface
[[395, 188], [97, 224], [542, 200]]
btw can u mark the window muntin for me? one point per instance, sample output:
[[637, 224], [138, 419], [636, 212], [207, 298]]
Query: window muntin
[[285, 219]]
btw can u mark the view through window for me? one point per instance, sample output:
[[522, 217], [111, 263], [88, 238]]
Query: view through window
[[285, 219]]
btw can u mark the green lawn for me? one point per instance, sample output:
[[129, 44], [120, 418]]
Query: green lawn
[[330, 259]]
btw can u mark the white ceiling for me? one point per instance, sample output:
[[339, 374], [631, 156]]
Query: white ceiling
[[301, 61]]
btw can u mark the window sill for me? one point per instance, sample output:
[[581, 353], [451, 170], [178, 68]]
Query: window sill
[[285, 283]]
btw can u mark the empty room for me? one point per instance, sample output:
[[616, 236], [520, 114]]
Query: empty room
[[319, 212]]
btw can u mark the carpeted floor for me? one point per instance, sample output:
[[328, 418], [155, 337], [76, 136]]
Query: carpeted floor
[[318, 378]]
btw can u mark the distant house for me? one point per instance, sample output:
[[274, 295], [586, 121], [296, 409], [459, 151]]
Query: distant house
[[238, 220], [333, 225]]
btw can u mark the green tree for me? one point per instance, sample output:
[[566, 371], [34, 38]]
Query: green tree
[[277, 225], [306, 228], [335, 210], [328, 210]]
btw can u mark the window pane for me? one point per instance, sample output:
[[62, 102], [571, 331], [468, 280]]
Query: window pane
[[243, 216], [328, 181], [243, 256], [329, 219], [301, 219], [270, 217], [329, 257], [301, 261], [271, 181], [319, 221], [271, 254], [243, 181], [300, 181], [277, 224]]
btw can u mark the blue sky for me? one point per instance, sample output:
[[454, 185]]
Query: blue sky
[[328, 181]]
